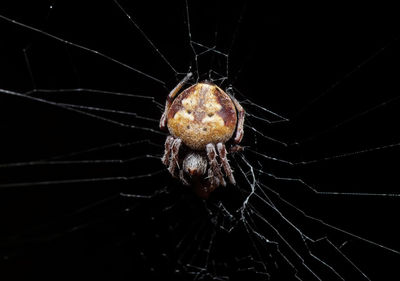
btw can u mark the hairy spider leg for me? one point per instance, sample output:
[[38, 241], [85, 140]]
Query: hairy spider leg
[[167, 151], [170, 99], [225, 164], [214, 172], [240, 122], [182, 177], [173, 163]]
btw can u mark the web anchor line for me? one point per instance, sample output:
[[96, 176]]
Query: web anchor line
[[11, 93], [266, 200], [145, 36], [92, 51]]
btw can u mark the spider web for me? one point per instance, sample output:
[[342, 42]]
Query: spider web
[[81, 181]]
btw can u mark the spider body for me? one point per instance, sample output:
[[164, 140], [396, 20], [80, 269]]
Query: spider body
[[202, 114], [201, 119]]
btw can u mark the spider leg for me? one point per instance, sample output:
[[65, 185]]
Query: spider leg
[[167, 151], [182, 177], [214, 172], [225, 164], [170, 98], [241, 114], [173, 163], [236, 148]]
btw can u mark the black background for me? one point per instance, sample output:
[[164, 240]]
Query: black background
[[287, 57]]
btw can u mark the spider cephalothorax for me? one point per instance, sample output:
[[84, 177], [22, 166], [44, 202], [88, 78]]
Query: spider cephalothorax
[[201, 119]]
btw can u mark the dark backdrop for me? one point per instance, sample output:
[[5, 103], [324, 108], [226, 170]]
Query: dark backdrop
[[285, 58]]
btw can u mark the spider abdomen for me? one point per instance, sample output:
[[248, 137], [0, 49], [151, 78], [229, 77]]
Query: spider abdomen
[[202, 114]]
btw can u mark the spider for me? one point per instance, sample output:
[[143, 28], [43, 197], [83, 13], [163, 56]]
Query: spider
[[200, 120]]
